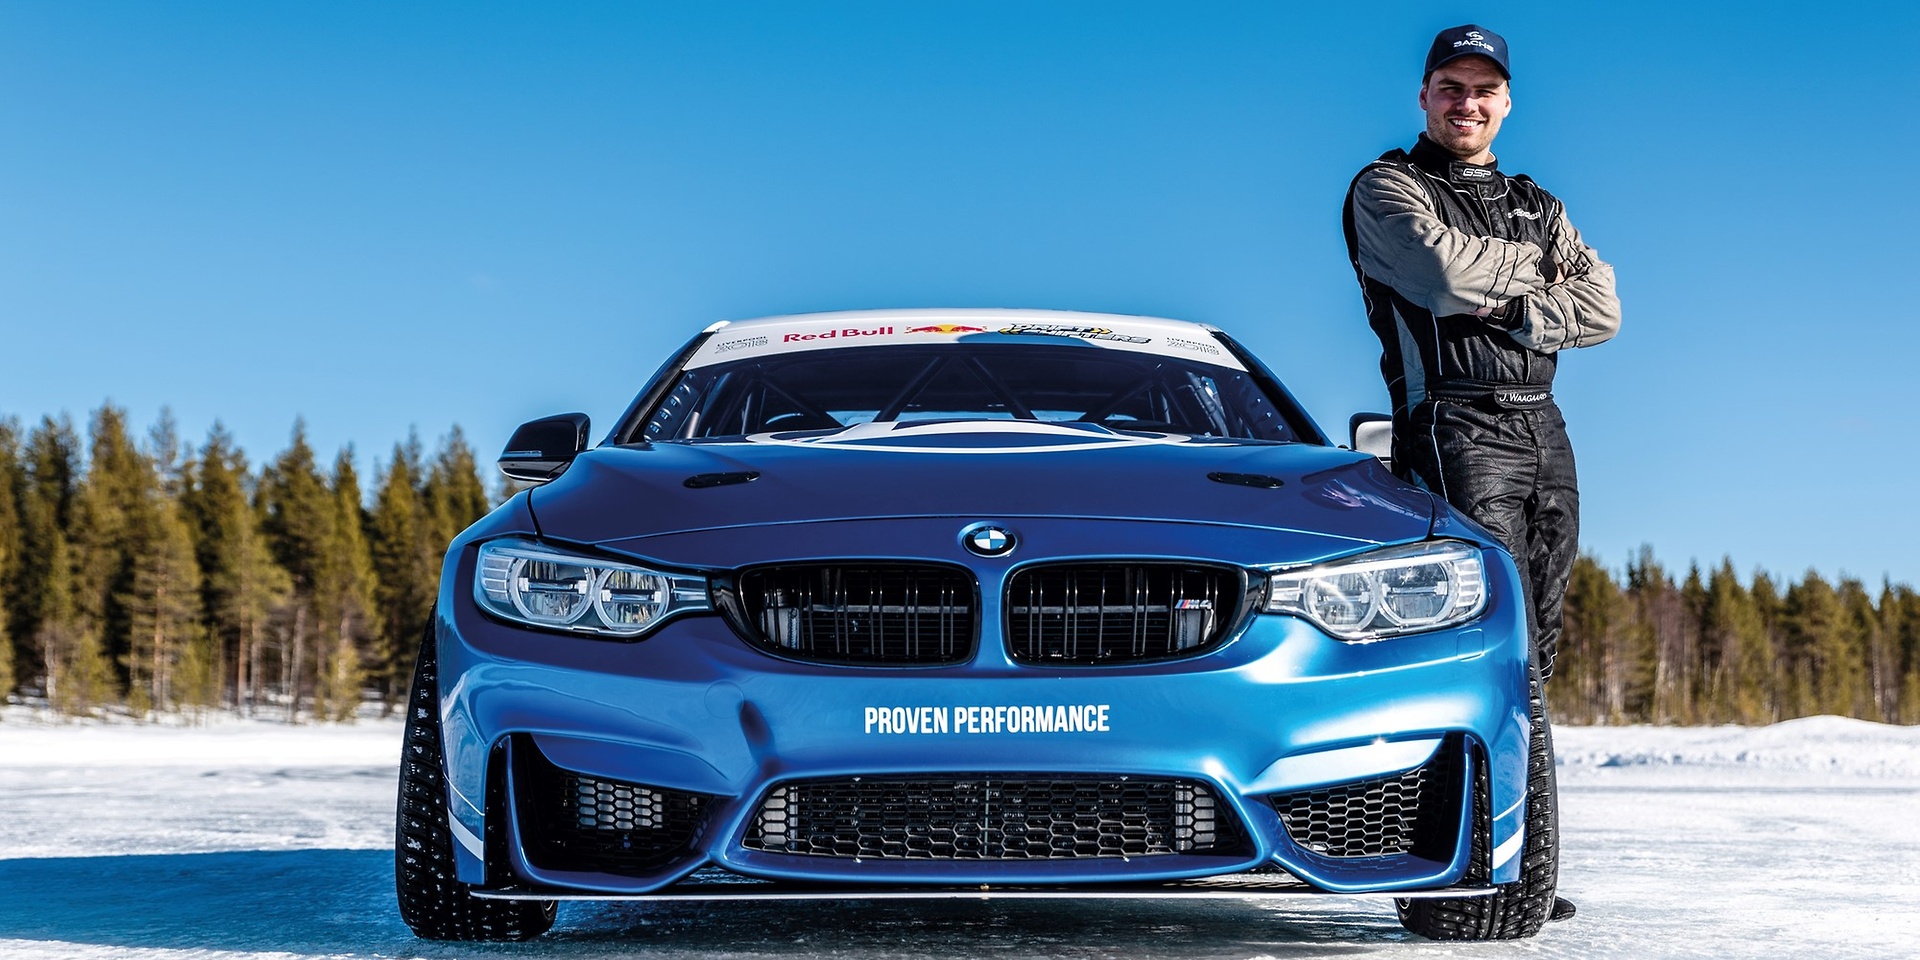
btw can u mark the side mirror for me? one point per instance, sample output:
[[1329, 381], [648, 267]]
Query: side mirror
[[1373, 433], [543, 449]]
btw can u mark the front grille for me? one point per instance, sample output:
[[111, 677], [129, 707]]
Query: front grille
[[994, 818], [575, 822], [899, 614], [1118, 612], [1415, 812]]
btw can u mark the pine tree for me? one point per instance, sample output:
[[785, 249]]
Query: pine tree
[[298, 523], [1845, 687], [1905, 630], [1772, 608], [12, 545], [1812, 626], [50, 469], [453, 493], [1884, 663], [404, 572], [345, 596], [1588, 677], [52, 460], [1687, 648], [77, 675], [298, 510], [245, 587], [210, 487], [114, 504], [163, 606], [1745, 669], [170, 456], [1653, 613], [256, 592]]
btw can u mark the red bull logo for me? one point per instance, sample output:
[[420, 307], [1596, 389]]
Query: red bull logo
[[947, 328], [846, 333]]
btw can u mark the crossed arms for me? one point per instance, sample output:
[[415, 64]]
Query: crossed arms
[[1547, 301]]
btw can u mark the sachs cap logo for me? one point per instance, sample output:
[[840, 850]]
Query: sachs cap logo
[[988, 540]]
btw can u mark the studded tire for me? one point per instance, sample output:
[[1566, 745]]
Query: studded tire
[[1515, 910], [432, 902]]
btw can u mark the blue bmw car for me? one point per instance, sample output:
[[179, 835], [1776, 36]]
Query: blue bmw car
[[936, 603]]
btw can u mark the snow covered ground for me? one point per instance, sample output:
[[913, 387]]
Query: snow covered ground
[[256, 839]]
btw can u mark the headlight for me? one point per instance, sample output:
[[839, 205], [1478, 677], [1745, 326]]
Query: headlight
[[1386, 593], [539, 585]]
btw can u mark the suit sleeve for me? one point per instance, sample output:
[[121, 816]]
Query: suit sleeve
[[1581, 308], [1402, 243]]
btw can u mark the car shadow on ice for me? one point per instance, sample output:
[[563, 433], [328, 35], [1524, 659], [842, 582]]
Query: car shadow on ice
[[340, 903]]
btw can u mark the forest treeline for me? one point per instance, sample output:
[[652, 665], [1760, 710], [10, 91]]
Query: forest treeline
[[1710, 648], [150, 574], [159, 576]]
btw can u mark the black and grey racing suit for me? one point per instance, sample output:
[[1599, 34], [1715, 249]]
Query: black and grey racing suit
[[1474, 281]]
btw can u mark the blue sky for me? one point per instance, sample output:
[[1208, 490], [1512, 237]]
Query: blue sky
[[385, 216]]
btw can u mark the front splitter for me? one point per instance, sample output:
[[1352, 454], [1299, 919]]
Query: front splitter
[[713, 883]]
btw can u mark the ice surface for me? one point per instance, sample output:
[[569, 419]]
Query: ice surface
[[252, 839]]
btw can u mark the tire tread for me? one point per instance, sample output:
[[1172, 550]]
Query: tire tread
[[1515, 911], [434, 904]]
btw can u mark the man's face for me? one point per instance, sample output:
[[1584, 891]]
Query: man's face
[[1465, 101]]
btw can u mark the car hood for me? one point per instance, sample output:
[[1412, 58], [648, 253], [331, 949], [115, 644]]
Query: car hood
[[979, 470]]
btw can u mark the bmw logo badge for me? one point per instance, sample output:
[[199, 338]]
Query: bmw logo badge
[[987, 540]]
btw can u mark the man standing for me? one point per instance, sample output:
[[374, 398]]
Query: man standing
[[1475, 281]]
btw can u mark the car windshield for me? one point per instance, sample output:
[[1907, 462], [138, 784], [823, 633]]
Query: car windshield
[[832, 389]]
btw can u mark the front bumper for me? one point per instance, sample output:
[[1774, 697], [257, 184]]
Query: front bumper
[[1273, 715]]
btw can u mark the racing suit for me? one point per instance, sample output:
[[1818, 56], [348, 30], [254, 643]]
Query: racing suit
[[1474, 281]]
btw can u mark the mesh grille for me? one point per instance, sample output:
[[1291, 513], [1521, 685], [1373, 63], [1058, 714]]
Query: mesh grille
[[1118, 613], [993, 818], [611, 805], [1414, 812], [869, 614], [576, 822]]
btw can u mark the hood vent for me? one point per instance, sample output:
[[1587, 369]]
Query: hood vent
[[701, 481], [1260, 480]]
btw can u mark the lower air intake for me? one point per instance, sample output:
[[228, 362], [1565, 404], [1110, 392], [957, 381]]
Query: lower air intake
[[994, 818], [572, 821], [1415, 812]]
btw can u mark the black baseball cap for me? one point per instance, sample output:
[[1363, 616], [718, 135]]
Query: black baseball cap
[[1468, 40]]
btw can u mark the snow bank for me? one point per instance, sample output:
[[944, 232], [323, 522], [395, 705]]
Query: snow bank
[[1827, 745]]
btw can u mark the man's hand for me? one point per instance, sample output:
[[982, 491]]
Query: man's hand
[[1507, 316], [1551, 271]]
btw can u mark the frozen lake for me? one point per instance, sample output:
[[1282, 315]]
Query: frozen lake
[[253, 839]]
